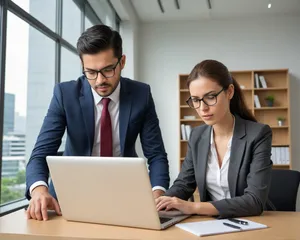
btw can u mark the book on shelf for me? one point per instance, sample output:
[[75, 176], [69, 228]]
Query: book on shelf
[[280, 155], [185, 131], [183, 135], [188, 130], [256, 81], [256, 101], [263, 82], [260, 81]]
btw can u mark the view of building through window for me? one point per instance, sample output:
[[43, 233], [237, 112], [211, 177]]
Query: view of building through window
[[15, 108], [29, 80]]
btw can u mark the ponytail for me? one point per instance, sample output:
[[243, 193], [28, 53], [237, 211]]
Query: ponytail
[[238, 105]]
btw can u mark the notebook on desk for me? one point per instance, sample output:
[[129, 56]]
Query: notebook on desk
[[213, 227]]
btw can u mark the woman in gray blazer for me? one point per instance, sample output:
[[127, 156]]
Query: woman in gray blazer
[[228, 158]]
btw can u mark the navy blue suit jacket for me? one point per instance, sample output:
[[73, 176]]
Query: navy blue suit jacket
[[72, 107]]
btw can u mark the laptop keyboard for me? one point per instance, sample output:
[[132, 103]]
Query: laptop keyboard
[[163, 219]]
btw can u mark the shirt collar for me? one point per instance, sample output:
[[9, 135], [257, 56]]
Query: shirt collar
[[212, 142], [115, 96]]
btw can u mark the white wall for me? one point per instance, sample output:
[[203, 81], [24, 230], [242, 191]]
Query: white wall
[[168, 49], [129, 28], [129, 37]]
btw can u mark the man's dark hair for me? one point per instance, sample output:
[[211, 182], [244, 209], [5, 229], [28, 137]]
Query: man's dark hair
[[99, 38]]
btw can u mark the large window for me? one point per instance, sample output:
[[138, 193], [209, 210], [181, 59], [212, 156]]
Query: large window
[[71, 27], [28, 84], [37, 50], [87, 23], [106, 13], [70, 65], [34, 7]]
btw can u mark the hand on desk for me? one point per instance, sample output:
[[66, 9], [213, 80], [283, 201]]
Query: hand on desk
[[40, 202], [169, 203]]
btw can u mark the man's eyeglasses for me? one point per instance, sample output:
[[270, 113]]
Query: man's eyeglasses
[[107, 72], [209, 100]]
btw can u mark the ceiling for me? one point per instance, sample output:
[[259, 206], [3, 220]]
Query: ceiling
[[149, 10]]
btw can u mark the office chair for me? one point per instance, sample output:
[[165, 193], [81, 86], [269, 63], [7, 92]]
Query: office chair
[[283, 190]]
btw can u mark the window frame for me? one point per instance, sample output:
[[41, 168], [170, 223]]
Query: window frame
[[9, 5]]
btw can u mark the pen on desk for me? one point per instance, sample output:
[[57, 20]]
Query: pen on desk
[[238, 221], [231, 225]]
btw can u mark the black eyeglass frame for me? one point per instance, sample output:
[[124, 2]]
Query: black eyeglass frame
[[202, 99], [100, 71]]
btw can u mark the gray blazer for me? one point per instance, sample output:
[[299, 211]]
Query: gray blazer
[[249, 172]]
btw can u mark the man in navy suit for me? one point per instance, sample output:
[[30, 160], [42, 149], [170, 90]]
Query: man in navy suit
[[103, 114]]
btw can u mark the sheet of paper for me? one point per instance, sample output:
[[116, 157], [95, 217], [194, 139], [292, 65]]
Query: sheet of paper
[[213, 227]]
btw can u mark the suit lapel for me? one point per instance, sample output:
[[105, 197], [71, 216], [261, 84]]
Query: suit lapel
[[124, 111], [87, 107], [237, 152], [203, 150]]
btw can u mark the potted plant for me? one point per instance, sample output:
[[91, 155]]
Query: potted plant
[[280, 121], [270, 100]]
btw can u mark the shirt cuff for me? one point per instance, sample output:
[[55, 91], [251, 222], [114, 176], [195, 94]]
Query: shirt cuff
[[159, 188], [36, 184]]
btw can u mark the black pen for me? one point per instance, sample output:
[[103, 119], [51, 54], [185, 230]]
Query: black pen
[[238, 221], [231, 225]]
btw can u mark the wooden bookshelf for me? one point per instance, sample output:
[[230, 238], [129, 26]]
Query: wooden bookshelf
[[277, 81]]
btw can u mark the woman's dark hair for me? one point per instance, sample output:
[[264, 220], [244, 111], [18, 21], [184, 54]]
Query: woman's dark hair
[[219, 72], [99, 38]]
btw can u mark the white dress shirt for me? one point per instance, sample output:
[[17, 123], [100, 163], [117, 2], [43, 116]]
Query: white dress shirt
[[217, 177], [113, 109]]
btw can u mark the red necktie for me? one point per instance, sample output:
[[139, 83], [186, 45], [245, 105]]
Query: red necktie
[[105, 130]]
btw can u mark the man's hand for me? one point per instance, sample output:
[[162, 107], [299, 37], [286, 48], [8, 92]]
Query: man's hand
[[40, 202], [157, 193], [169, 203]]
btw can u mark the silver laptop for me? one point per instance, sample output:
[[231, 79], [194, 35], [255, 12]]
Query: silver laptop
[[108, 190]]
